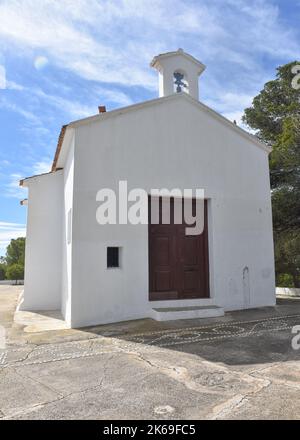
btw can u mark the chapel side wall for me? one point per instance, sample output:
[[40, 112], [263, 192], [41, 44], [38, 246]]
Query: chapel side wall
[[43, 257]]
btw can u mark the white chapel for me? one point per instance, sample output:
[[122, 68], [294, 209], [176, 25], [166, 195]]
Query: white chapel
[[104, 273]]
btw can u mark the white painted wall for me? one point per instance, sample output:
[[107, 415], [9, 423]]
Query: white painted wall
[[172, 143], [43, 268], [66, 243]]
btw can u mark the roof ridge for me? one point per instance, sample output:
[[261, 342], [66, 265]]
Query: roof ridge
[[103, 116]]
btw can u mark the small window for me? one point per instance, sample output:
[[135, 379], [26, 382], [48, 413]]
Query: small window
[[113, 257]]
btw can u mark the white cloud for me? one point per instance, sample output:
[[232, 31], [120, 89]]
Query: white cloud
[[231, 105], [2, 77], [9, 225], [42, 167], [13, 189], [112, 41], [73, 44], [9, 231], [11, 85], [74, 108], [114, 96], [4, 163], [30, 116]]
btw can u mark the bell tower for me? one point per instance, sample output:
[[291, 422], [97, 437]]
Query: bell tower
[[178, 72]]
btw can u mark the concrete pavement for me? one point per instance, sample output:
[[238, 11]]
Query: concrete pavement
[[239, 366]]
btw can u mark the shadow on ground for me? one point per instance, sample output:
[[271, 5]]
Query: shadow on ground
[[255, 336]]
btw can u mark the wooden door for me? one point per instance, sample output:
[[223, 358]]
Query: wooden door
[[178, 263]]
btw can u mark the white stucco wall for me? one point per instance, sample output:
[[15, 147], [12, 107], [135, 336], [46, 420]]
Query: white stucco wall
[[66, 243], [43, 268], [173, 143]]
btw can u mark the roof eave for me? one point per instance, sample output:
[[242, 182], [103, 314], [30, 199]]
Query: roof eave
[[155, 62], [235, 127], [59, 146], [23, 182]]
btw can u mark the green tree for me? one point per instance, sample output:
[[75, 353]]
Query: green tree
[[275, 115], [15, 252], [15, 272], [2, 271]]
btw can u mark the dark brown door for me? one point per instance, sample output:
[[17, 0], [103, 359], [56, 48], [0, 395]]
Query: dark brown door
[[178, 263]]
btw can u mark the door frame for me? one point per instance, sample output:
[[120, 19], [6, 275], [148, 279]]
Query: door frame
[[173, 295]]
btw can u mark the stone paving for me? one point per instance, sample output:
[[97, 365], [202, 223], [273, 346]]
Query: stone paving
[[238, 366]]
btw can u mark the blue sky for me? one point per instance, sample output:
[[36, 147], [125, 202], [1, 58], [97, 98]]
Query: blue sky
[[60, 59]]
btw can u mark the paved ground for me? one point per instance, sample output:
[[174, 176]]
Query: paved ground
[[241, 366]]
